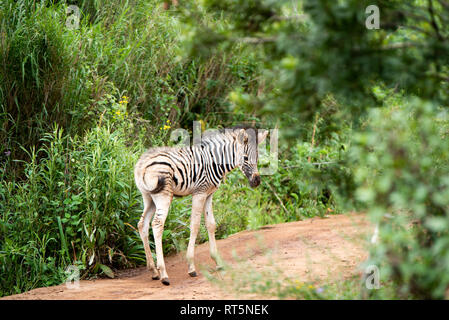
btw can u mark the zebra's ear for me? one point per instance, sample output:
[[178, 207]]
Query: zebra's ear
[[242, 136], [261, 135]]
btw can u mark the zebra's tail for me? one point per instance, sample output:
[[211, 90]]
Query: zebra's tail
[[154, 184], [147, 182]]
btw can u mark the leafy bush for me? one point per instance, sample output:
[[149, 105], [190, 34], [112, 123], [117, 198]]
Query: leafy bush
[[401, 168], [77, 205]]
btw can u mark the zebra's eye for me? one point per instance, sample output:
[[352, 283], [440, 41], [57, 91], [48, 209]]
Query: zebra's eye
[[245, 158]]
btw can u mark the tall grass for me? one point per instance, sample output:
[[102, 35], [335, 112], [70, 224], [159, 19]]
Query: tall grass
[[50, 73], [36, 84]]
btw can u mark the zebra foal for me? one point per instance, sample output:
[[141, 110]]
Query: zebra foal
[[164, 172]]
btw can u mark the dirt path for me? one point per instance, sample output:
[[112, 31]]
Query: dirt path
[[311, 249]]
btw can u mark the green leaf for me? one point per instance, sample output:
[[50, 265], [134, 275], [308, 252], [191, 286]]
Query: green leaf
[[107, 271], [437, 224]]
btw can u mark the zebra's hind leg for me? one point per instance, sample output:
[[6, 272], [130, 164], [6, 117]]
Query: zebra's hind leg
[[162, 202], [198, 201], [144, 224], [211, 226]]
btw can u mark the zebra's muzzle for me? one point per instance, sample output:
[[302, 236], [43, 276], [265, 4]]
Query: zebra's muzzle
[[254, 181]]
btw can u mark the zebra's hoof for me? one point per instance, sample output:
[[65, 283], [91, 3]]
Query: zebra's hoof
[[193, 274], [156, 277], [165, 281]]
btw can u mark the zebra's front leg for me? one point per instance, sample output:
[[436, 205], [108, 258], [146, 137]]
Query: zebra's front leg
[[162, 202], [211, 226], [198, 201]]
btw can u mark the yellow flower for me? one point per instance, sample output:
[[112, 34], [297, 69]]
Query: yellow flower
[[203, 125], [124, 100], [310, 286], [299, 284], [166, 127]]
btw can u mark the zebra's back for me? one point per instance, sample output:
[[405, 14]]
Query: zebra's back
[[177, 170]]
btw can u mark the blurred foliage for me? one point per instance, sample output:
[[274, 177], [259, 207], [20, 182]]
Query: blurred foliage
[[313, 48], [401, 167]]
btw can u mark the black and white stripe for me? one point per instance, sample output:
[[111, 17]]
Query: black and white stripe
[[164, 172], [201, 167]]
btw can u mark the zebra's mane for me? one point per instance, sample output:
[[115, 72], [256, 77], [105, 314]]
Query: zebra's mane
[[210, 136], [225, 132]]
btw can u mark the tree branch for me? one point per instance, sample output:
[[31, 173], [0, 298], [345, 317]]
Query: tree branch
[[255, 40], [297, 17], [393, 46], [440, 77], [277, 197]]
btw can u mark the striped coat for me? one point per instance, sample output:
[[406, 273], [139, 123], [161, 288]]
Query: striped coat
[[164, 172]]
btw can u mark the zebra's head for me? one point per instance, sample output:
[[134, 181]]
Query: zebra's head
[[248, 141]]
